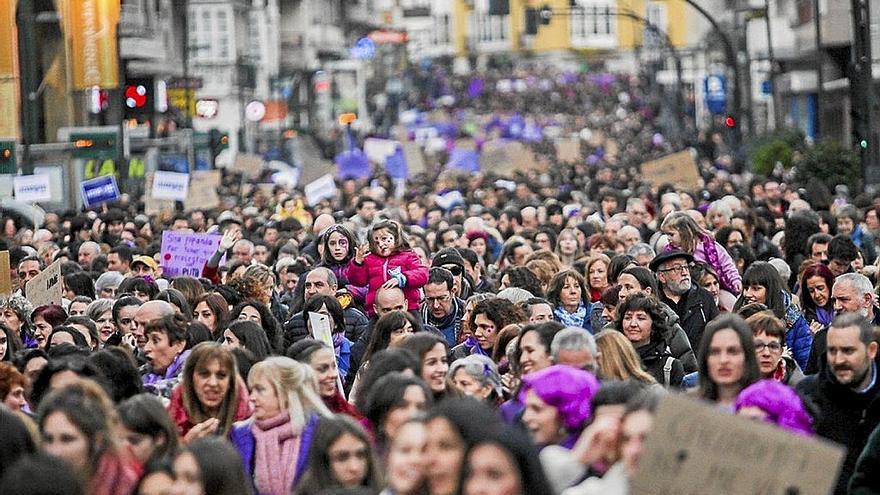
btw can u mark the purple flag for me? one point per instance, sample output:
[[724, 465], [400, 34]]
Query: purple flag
[[395, 165], [353, 164]]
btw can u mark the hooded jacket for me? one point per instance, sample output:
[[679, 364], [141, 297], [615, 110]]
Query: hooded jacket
[[798, 337], [655, 357], [376, 270]]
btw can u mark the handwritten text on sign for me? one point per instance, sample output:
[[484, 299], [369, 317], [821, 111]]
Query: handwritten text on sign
[[186, 254]]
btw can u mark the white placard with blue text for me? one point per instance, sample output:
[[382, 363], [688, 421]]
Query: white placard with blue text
[[170, 185], [32, 188]]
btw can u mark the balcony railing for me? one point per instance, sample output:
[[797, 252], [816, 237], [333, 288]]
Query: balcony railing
[[594, 26], [490, 32]]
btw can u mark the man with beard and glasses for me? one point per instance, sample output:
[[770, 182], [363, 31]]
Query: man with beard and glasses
[[846, 393], [851, 293], [694, 305]]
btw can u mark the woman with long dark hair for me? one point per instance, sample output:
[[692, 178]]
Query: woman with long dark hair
[[762, 284], [815, 286], [727, 360], [341, 458]]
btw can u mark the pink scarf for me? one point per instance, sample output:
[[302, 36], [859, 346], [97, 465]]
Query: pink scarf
[[275, 454]]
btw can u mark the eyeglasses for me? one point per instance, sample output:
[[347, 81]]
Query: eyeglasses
[[438, 299], [681, 269], [773, 346]]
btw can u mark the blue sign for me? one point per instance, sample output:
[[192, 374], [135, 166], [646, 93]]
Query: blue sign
[[99, 190], [766, 88], [715, 87], [364, 49]]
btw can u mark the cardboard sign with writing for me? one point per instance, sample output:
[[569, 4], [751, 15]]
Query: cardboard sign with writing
[[249, 165], [678, 169], [695, 448], [45, 288], [153, 206], [5, 276], [32, 188], [203, 190], [185, 254], [569, 150]]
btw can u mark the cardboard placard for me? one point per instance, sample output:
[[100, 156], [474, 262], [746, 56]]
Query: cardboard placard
[[695, 448], [504, 157], [185, 254], [203, 190], [415, 159], [173, 186], [249, 165], [678, 169], [569, 150], [466, 144], [45, 288], [5, 275], [154, 206]]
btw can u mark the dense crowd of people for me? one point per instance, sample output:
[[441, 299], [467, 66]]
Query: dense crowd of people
[[514, 340]]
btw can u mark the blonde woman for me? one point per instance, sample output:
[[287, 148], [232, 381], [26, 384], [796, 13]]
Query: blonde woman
[[568, 248], [274, 443], [618, 359]]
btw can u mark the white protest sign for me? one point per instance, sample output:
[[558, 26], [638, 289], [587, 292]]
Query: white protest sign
[[322, 332], [377, 150], [323, 188], [45, 288], [170, 185], [32, 188], [696, 448]]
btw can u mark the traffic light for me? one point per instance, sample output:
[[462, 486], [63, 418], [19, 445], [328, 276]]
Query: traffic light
[[95, 145], [138, 97], [8, 164], [730, 122]]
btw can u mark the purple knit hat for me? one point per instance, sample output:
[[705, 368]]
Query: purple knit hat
[[783, 406], [567, 389]]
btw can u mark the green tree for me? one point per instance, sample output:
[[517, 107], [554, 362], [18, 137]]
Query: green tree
[[766, 157], [830, 163]]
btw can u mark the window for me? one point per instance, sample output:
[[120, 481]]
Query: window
[[592, 20], [209, 34]]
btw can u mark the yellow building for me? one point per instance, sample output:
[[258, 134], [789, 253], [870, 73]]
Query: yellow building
[[589, 26]]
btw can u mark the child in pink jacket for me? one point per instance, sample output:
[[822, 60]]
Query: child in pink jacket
[[388, 262]]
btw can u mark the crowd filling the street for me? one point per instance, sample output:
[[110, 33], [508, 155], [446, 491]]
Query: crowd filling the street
[[524, 309]]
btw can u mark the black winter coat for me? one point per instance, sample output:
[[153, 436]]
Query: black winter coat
[[355, 325], [655, 357], [699, 309], [845, 417]]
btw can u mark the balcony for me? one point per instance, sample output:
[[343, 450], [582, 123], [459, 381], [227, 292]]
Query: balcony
[[489, 33], [139, 35], [594, 27]]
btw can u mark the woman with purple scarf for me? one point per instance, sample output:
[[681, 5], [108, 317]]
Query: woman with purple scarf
[[557, 403], [274, 443], [165, 353]]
